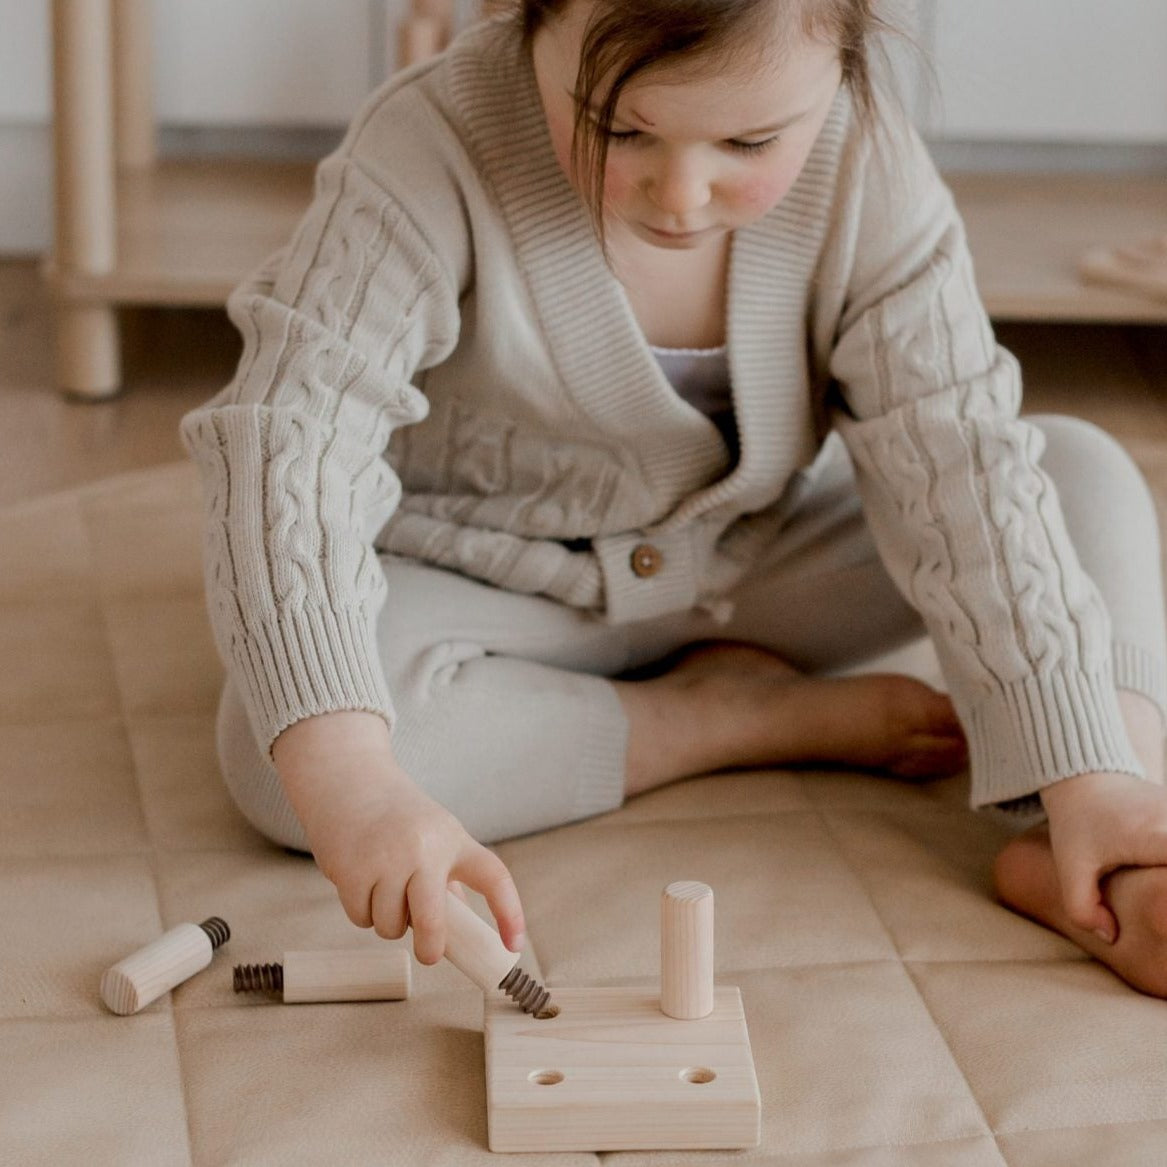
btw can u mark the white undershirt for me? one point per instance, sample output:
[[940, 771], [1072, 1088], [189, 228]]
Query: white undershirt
[[701, 377]]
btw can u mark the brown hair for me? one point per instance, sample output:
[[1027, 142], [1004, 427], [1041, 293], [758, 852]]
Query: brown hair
[[625, 38]]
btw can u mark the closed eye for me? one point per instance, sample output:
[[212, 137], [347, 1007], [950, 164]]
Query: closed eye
[[734, 144], [753, 147]]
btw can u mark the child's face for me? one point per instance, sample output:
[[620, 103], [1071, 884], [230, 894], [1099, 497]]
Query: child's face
[[694, 154]]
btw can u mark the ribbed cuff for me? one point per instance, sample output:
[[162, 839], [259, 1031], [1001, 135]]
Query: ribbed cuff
[[602, 765], [305, 663], [1034, 732]]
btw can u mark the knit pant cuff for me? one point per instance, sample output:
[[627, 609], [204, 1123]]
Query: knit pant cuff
[[601, 781]]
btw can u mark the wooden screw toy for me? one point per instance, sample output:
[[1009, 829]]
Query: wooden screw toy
[[367, 974], [630, 1068], [477, 950], [174, 957]]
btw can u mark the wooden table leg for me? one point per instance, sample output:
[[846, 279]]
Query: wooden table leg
[[426, 31], [88, 356], [133, 72]]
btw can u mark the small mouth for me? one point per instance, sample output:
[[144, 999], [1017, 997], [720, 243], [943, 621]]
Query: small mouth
[[674, 236]]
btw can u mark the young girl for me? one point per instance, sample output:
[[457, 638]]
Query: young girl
[[627, 375]]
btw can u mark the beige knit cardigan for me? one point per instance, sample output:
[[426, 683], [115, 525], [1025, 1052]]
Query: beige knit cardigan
[[441, 365]]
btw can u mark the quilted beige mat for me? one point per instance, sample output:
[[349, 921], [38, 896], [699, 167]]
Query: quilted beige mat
[[899, 1017]]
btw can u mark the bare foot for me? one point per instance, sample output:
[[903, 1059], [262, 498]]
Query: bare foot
[[726, 704], [1026, 880]]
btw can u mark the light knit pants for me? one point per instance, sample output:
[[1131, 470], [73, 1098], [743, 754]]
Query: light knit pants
[[505, 715]]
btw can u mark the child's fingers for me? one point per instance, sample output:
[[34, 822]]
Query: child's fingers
[[426, 892], [1084, 905], [484, 871], [387, 908], [356, 900]]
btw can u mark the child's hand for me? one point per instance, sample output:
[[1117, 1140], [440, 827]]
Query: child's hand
[[389, 848], [1098, 823]]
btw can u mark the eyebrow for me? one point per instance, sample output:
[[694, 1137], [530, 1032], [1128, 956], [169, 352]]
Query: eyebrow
[[771, 129]]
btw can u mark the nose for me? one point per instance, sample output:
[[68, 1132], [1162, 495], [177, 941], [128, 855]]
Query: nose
[[679, 186]]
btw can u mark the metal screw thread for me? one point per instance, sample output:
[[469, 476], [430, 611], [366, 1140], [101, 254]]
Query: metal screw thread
[[217, 930], [258, 978], [525, 991]]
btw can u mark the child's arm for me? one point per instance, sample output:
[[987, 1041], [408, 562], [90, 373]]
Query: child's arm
[[390, 850], [966, 520]]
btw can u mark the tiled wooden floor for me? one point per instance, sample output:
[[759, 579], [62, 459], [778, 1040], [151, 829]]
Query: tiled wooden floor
[[1111, 375]]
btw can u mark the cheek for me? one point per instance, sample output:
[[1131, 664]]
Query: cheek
[[620, 180], [761, 192]]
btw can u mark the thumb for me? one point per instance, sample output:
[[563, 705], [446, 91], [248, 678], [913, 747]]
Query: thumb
[[1082, 899]]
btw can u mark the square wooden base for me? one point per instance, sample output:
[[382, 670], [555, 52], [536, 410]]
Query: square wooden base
[[612, 1072]]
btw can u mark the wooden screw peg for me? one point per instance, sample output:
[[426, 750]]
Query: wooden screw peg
[[145, 975], [476, 949], [367, 974], [686, 950]]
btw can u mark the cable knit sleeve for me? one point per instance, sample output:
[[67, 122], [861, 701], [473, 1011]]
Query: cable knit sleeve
[[290, 453], [965, 519]]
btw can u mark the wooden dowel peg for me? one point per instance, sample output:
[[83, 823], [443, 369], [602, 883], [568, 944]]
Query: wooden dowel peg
[[366, 974], [686, 950], [174, 957], [474, 947], [477, 950]]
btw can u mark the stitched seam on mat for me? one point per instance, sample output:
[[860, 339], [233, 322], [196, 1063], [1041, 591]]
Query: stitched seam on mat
[[908, 974]]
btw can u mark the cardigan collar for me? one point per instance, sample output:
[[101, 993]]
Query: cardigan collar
[[599, 348]]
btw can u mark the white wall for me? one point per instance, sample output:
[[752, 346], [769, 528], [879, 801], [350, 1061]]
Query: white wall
[[1051, 70], [1010, 71]]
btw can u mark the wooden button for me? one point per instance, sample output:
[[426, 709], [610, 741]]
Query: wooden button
[[646, 560]]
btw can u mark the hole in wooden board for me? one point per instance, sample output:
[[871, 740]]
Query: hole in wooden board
[[698, 1075], [548, 1013], [545, 1077]]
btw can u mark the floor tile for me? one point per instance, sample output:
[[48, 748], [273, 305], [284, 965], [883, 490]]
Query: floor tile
[[105, 1091], [58, 666], [399, 1084], [186, 804], [68, 788], [1132, 1144], [854, 1059], [1040, 1042], [146, 532], [64, 922], [164, 655], [45, 552], [794, 899], [929, 875]]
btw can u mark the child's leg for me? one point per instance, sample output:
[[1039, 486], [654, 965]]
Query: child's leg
[[1111, 518]]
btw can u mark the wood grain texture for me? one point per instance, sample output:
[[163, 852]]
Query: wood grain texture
[[366, 974], [686, 950], [474, 947], [143, 976], [611, 1072], [1141, 268]]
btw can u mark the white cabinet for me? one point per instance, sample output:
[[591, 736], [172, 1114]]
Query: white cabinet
[[1050, 70]]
